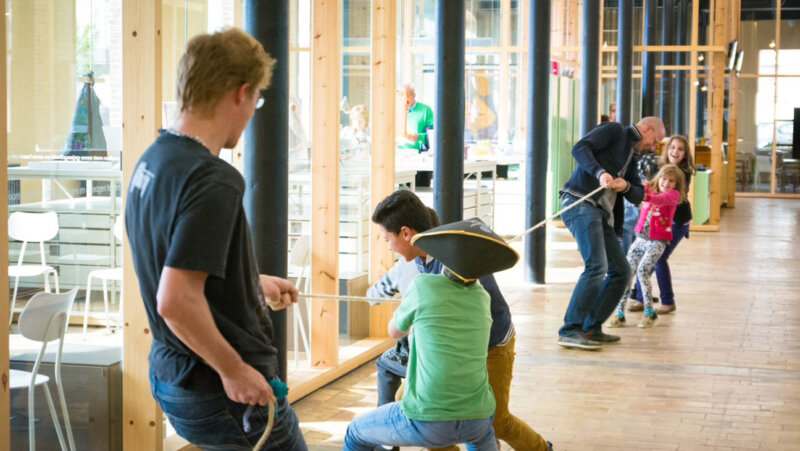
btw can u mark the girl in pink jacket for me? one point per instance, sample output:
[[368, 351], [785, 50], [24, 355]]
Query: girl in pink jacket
[[653, 233]]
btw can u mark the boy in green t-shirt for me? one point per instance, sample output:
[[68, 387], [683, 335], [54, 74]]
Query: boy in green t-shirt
[[448, 399]]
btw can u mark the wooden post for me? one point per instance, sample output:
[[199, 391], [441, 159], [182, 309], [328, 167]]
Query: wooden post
[[733, 108], [717, 91], [693, 92], [326, 83], [5, 394], [383, 91], [774, 149], [505, 40], [141, 118]]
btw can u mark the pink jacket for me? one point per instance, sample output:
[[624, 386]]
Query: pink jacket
[[663, 206]]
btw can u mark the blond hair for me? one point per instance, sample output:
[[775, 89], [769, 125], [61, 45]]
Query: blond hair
[[673, 172], [216, 63]]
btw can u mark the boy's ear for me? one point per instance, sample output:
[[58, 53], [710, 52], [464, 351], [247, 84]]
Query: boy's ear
[[407, 233]]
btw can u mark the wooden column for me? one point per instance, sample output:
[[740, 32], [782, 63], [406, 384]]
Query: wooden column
[[717, 92], [733, 108], [383, 91], [505, 42], [693, 92], [774, 150], [5, 395], [325, 94], [141, 118]]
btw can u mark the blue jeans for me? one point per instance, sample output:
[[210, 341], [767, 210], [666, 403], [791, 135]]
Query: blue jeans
[[663, 274], [213, 421], [388, 425], [606, 274], [390, 372], [629, 226]]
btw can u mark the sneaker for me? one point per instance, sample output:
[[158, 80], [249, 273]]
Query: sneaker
[[648, 320], [665, 308], [578, 342], [601, 337], [616, 321], [633, 295], [549, 446], [635, 306]]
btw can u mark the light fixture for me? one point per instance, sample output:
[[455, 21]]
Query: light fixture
[[704, 88], [697, 83], [772, 44], [701, 57]]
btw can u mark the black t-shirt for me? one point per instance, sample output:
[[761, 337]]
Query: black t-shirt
[[184, 210]]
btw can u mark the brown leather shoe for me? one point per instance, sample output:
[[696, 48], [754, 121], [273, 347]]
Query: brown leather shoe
[[662, 309], [635, 306]]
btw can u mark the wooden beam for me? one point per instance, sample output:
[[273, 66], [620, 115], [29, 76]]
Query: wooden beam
[[384, 94], [773, 184], [141, 119], [5, 392], [325, 92], [717, 92], [733, 109], [504, 100], [693, 92]]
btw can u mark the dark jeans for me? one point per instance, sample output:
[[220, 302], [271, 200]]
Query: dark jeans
[[663, 274], [606, 274], [391, 367], [212, 421]]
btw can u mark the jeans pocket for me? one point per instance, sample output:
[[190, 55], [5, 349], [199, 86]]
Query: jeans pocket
[[220, 431]]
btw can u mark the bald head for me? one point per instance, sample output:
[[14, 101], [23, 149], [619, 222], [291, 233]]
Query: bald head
[[652, 130]]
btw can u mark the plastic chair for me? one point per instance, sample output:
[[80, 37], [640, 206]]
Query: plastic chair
[[31, 227], [301, 257], [44, 319], [105, 274]]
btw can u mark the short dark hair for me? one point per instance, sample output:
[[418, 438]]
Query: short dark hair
[[434, 217], [401, 209]]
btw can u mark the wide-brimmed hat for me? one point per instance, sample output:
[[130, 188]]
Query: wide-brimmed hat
[[469, 248]]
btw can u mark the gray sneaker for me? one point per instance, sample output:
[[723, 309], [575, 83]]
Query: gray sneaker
[[601, 337], [579, 342]]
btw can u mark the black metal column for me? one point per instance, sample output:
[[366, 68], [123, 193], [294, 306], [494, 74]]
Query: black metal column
[[266, 156], [624, 61], [590, 66], [667, 38], [649, 63], [537, 149], [679, 119], [448, 113]]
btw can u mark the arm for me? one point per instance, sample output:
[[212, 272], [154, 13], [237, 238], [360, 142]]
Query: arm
[[671, 197], [387, 287], [182, 303], [394, 332], [595, 141]]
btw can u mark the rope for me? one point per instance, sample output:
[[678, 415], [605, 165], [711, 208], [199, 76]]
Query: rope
[[270, 423], [558, 213], [345, 298]]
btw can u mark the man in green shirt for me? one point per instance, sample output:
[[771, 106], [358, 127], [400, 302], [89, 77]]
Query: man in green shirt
[[448, 399], [418, 121]]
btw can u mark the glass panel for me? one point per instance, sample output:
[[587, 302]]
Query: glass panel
[[482, 23], [64, 141], [355, 149]]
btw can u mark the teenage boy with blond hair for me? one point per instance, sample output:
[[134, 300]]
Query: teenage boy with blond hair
[[212, 353]]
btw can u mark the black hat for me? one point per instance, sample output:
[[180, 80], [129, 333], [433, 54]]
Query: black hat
[[469, 248]]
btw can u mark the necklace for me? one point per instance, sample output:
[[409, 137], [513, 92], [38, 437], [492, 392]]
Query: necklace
[[196, 139]]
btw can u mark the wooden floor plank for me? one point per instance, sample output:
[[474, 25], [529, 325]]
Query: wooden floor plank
[[722, 373]]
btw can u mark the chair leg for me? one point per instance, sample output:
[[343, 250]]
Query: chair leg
[[55, 276], [88, 302], [105, 303], [63, 401], [13, 300], [53, 414]]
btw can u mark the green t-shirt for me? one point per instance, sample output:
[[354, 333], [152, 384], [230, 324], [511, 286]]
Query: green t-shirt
[[446, 378], [420, 118]]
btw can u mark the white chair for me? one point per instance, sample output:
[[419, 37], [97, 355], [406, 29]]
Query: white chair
[[301, 257], [31, 227], [105, 274], [44, 319]]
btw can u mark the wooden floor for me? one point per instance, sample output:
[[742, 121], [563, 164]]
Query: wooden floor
[[722, 373]]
